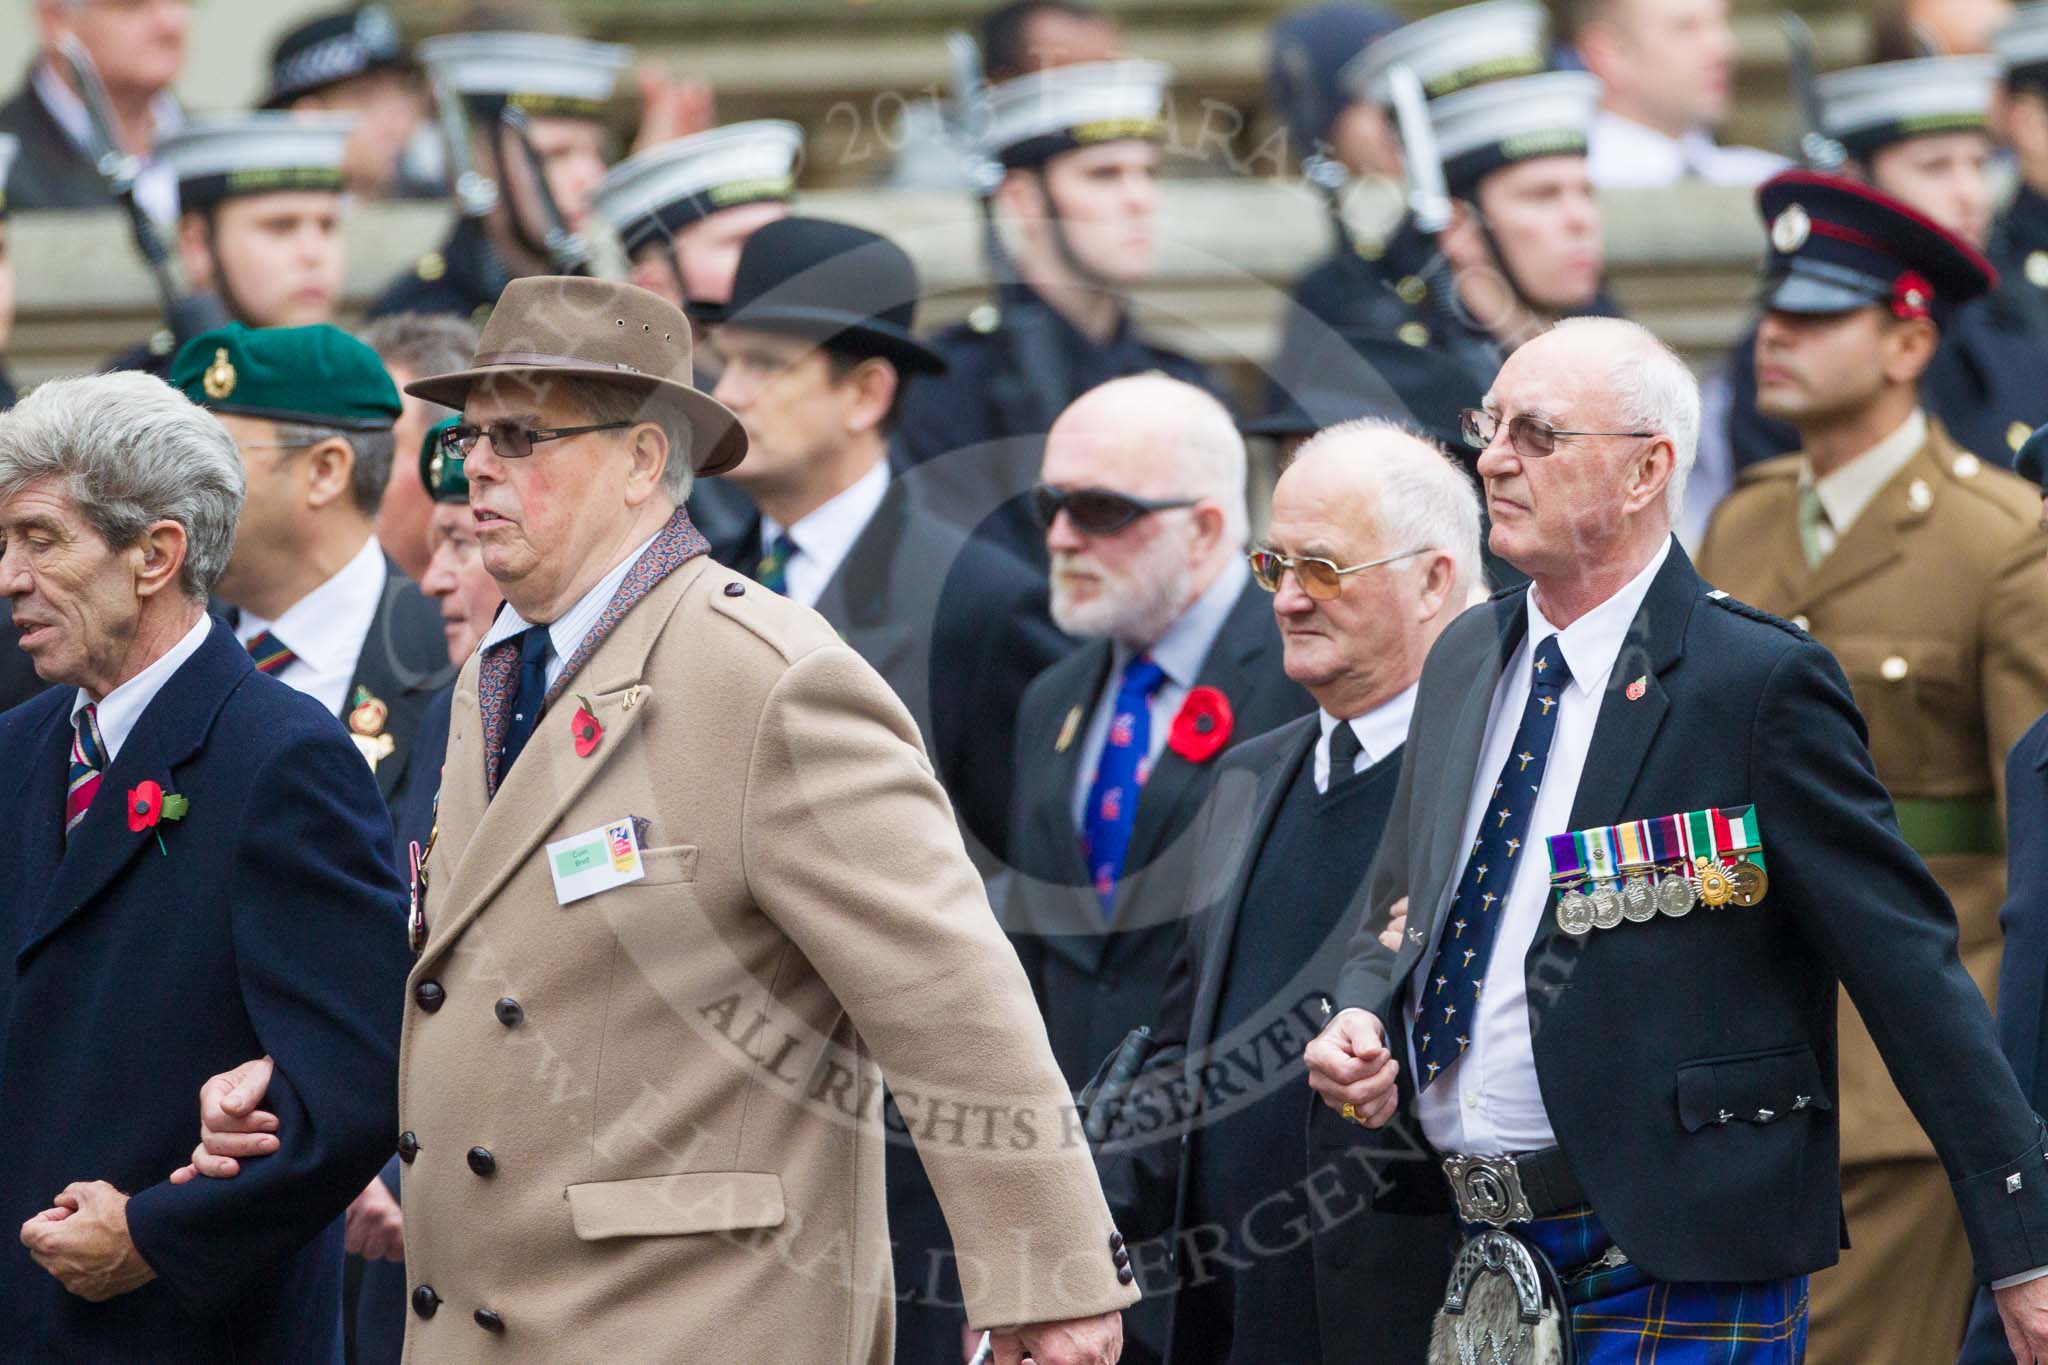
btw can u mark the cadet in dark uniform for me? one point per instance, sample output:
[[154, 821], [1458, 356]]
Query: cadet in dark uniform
[[1379, 284], [561, 84], [317, 602], [259, 223], [1917, 131], [1078, 147]]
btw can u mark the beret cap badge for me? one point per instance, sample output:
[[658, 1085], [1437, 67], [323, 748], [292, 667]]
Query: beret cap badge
[[219, 378]]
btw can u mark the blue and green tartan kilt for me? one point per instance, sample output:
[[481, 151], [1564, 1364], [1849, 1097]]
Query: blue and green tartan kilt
[[1620, 1316]]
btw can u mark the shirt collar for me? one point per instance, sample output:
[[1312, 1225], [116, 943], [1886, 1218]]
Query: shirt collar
[[1381, 730], [1848, 491], [1592, 643], [826, 533], [566, 631], [1181, 651], [326, 627], [119, 711]]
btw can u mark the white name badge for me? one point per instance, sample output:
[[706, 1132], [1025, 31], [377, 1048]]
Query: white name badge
[[586, 864]]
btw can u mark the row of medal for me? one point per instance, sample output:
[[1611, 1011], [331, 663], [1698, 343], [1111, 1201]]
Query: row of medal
[[1636, 871]]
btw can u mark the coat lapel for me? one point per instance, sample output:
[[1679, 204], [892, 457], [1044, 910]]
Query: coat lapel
[[404, 662], [863, 602], [1254, 825], [39, 801], [1460, 758], [172, 728], [548, 778], [1874, 540]]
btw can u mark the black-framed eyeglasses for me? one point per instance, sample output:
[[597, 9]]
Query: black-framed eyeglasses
[[1532, 438], [1097, 511], [511, 440], [1320, 578]]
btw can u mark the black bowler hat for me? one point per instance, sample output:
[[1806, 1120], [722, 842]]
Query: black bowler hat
[[1837, 245], [844, 287]]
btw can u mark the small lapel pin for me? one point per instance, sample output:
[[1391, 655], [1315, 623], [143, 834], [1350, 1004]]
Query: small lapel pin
[[584, 729], [1636, 689], [632, 698], [1415, 936], [1069, 727]]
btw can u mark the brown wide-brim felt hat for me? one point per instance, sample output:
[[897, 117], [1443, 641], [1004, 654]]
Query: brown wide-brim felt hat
[[569, 327]]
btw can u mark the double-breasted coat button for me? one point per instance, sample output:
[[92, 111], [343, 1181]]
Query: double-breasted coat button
[[429, 996], [408, 1146], [1116, 1241], [482, 1162], [735, 590], [509, 1012], [425, 1301], [489, 1320], [1124, 1275]]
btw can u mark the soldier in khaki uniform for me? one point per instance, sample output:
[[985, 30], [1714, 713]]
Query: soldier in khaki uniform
[[694, 887], [1921, 567]]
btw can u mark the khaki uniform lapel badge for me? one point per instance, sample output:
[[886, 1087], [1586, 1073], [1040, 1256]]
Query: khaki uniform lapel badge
[[367, 717]]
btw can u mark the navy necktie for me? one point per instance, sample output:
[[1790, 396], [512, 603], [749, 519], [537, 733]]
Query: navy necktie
[[1450, 998], [773, 571], [1345, 747], [1119, 776], [529, 699]]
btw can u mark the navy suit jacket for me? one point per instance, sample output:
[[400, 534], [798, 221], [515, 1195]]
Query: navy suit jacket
[[2023, 971], [269, 920], [1688, 1065]]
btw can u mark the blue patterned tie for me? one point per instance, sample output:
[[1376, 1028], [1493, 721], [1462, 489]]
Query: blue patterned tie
[[1119, 776], [88, 765], [1450, 997], [773, 571], [530, 698]]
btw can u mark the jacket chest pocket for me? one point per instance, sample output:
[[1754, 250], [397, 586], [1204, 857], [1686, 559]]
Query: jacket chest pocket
[[1750, 1087], [669, 864], [1913, 692]]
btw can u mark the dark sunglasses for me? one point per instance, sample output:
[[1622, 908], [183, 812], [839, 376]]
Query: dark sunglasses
[[1319, 578], [1532, 438], [511, 440], [1097, 511]]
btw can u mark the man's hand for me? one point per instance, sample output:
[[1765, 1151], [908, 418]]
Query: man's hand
[[1078, 1341], [83, 1240], [230, 1124], [1348, 1063], [376, 1225], [1390, 937], [2024, 1311], [670, 108]]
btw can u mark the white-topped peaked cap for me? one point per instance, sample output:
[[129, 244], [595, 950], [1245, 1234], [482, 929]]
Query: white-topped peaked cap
[[543, 73], [219, 156], [2021, 44], [1868, 107], [661, 190], [1489, 126], [1036, 116], [1455, 50]]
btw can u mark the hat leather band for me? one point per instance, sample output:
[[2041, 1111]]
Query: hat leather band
[[541, 360]]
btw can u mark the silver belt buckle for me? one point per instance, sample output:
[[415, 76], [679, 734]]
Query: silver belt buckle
[[1488, 1190]]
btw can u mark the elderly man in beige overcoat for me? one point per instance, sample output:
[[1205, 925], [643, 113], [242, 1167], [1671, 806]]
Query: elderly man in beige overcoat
[[692, 883]]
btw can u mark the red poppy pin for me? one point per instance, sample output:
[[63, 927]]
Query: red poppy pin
[[148, 803], [1202, 727], [584, 729], [1912, 296]]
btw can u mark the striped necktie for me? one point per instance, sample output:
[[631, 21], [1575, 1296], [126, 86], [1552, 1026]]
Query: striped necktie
[[88, 765], [773, 571], [270, 653]]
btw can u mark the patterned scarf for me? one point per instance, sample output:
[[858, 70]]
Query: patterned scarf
[[677, 543]]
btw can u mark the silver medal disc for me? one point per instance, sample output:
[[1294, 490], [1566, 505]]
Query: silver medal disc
[[1674, 896], [1636, 905], [1606, 907], [1575, 913]]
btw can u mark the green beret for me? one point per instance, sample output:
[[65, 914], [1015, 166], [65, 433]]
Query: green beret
[[441, 472], [318, 375]]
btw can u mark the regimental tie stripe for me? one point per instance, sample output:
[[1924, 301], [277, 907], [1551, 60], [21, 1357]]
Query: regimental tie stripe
[[88, 763], [269, 652]]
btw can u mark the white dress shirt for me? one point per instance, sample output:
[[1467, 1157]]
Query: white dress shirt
[[326, 628], [121, 708], [824, 536], [1845, 493], [1180, 653], [156, 184], [1488, 1102], [1622, 154], [1380, 731], [566, 631]]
